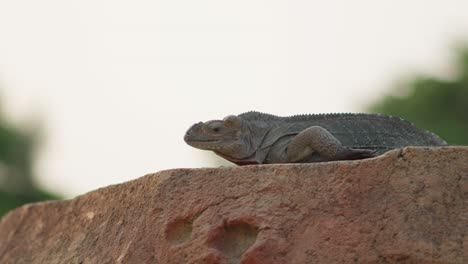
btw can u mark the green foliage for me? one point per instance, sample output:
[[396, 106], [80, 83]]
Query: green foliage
[[9, 201], [438, 105], [17, 155]]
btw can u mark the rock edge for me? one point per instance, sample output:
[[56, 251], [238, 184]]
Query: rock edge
[[407, 206]]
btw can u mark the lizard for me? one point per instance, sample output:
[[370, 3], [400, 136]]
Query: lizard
[[259, 138]]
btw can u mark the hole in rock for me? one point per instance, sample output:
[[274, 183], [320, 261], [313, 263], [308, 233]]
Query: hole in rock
[[179, 231], [235, 239]]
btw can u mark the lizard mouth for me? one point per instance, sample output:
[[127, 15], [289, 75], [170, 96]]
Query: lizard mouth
[[202, 143], [202, 140], [205, 144]]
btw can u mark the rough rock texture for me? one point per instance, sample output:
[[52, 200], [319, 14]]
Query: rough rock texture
[[408, 206]]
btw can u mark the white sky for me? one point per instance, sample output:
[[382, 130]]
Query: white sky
[[117, 83]]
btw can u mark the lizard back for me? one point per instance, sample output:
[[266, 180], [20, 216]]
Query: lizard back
[[364, 131]]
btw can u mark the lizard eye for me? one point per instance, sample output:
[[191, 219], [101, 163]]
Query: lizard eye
[[216, 127]]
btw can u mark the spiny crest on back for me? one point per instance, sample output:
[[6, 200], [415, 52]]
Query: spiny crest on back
[[258, 116]]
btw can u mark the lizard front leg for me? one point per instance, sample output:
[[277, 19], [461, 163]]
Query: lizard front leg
[[317, 140]]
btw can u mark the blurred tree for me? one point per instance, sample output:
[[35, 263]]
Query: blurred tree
[[438, 105], [17, 154]]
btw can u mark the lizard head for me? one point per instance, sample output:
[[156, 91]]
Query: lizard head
[[227, 137]]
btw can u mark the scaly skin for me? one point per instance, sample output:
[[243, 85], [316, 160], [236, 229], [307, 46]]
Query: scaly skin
[[257, 138]]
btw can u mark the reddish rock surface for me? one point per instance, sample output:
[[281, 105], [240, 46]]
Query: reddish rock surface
[[408, 206]]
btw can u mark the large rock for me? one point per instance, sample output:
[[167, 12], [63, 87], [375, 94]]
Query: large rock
[[408, 206]]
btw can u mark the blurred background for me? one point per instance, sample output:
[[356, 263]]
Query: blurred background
[[99, 92]]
